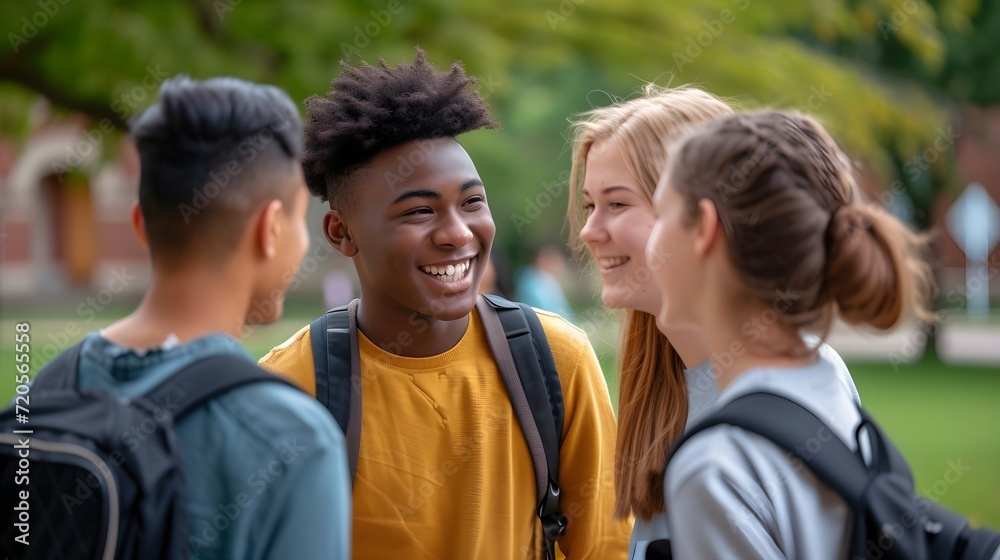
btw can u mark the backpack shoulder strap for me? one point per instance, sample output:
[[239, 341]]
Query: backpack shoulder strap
[[205, 379], [338, 373], [321, 363], [60, 373], [547, 361], [798, 431], [521, 352]]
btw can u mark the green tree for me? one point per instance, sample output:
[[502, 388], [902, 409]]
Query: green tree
[[538, 63]]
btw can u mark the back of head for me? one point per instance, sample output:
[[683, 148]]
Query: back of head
[[652, 399], [212, 153], [797, 231], [372, 108], [644, 127]]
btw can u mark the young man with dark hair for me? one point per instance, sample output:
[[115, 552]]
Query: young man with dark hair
[[221, 209], [443, 469]]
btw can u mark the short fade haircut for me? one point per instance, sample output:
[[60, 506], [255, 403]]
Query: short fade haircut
[[372, 108], [212, 152]]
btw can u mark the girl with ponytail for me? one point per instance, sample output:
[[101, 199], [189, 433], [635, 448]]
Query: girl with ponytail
[[768, 239], [619, 153]]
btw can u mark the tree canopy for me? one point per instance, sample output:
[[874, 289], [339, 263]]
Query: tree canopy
[[880, 74]]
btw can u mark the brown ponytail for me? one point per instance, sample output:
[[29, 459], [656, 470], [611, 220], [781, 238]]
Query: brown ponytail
[[795, 227], [873, 273]]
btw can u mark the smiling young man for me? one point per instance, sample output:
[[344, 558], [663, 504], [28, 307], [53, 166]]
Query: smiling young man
[[443, 469]]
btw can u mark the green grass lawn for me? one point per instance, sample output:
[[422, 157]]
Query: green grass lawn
[[940, 416], [945, 420]]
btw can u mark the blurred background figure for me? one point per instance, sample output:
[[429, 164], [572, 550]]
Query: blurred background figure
[[338, 288], [496, 277], [539, 284]]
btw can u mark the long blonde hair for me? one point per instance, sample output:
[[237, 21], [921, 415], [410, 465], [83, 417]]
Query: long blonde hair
[[652, 398]]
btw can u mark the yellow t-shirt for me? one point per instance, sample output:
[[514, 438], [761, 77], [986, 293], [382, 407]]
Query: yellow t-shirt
[[443, 468]]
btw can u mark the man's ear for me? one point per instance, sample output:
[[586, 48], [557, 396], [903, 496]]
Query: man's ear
[[337, 233], [707, 235], [139, 226], [268, 228]]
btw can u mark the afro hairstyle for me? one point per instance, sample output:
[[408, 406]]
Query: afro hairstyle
[[372, 108]]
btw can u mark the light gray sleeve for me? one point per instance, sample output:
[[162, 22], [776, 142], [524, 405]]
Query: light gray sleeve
[[828, 354], [714, 510]]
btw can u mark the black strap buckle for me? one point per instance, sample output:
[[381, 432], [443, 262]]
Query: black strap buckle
[[554, 522], [554, 526]]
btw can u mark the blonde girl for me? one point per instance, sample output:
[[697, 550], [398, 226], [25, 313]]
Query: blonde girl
[[619, 153]]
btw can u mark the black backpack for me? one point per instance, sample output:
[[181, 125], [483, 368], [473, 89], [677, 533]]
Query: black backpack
[[891, 522], [93, 475], [526, 365]]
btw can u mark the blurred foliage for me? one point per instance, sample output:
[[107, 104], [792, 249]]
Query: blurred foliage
[[881, 74], [946, 48]]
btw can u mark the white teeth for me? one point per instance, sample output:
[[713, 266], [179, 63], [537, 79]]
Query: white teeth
[[612, 262], [450, 273]]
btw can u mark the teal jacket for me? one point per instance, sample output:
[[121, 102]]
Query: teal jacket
[[265, 464]]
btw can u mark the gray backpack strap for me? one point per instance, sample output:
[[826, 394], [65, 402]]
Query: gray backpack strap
[[338, 373], [353, 433], [524, 378], [518, 399]]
